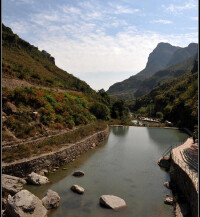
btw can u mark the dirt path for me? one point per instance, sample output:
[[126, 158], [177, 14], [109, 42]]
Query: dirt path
[[12, 83], [33, 140]]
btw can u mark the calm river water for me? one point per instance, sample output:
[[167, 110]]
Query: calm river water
[[125, 166]]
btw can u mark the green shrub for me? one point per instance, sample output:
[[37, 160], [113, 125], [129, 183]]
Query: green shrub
[[100, 110]]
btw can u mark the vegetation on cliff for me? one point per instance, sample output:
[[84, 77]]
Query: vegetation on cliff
[[165, 62], [175, 100]]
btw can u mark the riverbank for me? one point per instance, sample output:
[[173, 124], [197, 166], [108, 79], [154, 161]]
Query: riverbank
[[36, 147], [50, 160], [117, 167]]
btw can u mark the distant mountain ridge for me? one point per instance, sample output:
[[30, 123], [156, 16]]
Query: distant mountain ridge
[[162, 57]]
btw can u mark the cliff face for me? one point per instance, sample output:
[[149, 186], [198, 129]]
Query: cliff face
[[161, 58]]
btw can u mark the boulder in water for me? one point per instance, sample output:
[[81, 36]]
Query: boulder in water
[[25, 204], [37, 179], [78, 173], [12, 184], [51, 199], [112, 201], [78, 189]]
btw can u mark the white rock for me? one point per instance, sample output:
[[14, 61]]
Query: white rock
[[78, 189], [25, 204], [12, 184], [51, 199], [37, 179], [112, 201]]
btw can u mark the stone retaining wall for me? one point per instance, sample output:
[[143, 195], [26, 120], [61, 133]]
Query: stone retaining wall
[[185, 185], [58, 158]]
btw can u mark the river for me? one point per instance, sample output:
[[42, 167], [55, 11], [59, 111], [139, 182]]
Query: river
[[125, 166]]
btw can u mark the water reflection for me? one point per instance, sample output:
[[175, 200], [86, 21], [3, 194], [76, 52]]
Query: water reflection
[[120, 131], [164, 136], [126, 167]]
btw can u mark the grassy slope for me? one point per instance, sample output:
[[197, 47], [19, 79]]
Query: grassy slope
[[55, 110], [24, 61]]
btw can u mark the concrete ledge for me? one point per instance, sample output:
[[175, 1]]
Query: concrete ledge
[[185, 185]]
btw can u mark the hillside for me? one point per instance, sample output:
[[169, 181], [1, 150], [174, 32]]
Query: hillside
[[24, 61], [163, 75], [162, 58], [175, 100], [39, 99]]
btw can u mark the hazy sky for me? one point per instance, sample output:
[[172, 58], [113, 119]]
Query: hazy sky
[[102, 41]]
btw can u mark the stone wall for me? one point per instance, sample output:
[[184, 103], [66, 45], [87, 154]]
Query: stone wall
[[185, 186], [58, 158]]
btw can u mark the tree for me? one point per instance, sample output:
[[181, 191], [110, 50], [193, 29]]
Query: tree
[[119, 110], [159, 115], [100, 110]]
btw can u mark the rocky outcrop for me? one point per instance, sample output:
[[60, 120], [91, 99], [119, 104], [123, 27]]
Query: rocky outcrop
[[51, 199], [164, 162], [37, 179], [66, 154], [78, 189], [25, 204], [11, 184], [112, 202], [78, 173]]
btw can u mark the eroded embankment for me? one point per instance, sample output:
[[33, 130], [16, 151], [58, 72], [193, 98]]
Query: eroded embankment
[[22, 168]]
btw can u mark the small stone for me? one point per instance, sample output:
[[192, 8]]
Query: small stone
[[111, 201], [64, 168], [169, 200], [78, 173], [167, 185], [45, 171], [78, 189], [51, 199]]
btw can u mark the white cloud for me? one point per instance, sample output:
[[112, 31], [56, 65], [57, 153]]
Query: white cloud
[[20, 27], [79, 39], [125, 53], [175, 9], [162, 21], [194, 18], [119, 9]]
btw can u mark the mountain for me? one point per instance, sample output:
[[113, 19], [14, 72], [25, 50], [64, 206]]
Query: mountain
[[162, 57], [24, 61], [165, 74], [183, 53], [158, 59], [176, 99]]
